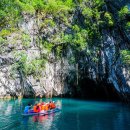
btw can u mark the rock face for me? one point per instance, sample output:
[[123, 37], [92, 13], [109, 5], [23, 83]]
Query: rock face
[[16, 84], [107, 77]]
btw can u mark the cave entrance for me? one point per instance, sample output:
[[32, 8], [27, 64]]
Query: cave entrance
[[92, 90]]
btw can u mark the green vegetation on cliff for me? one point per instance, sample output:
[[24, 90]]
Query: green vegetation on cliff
[[79, 24], [126, 56]]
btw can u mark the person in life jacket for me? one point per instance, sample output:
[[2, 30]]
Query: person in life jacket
[[36, 108], [27, 108], [46, 108], [48, 105], [52, 105], [42, 107], [39, 104]]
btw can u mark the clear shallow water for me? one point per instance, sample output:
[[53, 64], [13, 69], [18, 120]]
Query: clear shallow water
[[75, 115]]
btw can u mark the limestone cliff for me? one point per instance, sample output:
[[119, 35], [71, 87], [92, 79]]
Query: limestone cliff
[[39, 60]]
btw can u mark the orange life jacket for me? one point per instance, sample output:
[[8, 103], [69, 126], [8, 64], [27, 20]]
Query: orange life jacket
[[53, 105], [34, 109], [50, 105], [46, 107], [43, 107]]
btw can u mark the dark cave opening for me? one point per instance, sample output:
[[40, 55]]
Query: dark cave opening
[[91, 90]]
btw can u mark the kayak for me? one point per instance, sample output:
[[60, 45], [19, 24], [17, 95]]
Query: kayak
[[42, 113]]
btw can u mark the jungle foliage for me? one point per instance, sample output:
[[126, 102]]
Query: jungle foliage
[[79, 23]]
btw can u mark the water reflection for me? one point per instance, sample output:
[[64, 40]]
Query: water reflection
[[40, 118]]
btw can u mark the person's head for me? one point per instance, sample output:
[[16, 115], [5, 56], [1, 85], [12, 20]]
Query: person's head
[[29, 104], [50, 101]]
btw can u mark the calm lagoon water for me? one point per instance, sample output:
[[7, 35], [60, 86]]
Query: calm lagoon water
[[75, 115]]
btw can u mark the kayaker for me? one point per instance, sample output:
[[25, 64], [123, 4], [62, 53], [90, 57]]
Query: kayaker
[[34, 108], [38, 109], [42, 107], [50, 104], [46, 106], [27, 108], [39, 104], [53, 106]]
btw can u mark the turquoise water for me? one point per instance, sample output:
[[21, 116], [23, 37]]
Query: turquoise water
[[75, 115]]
